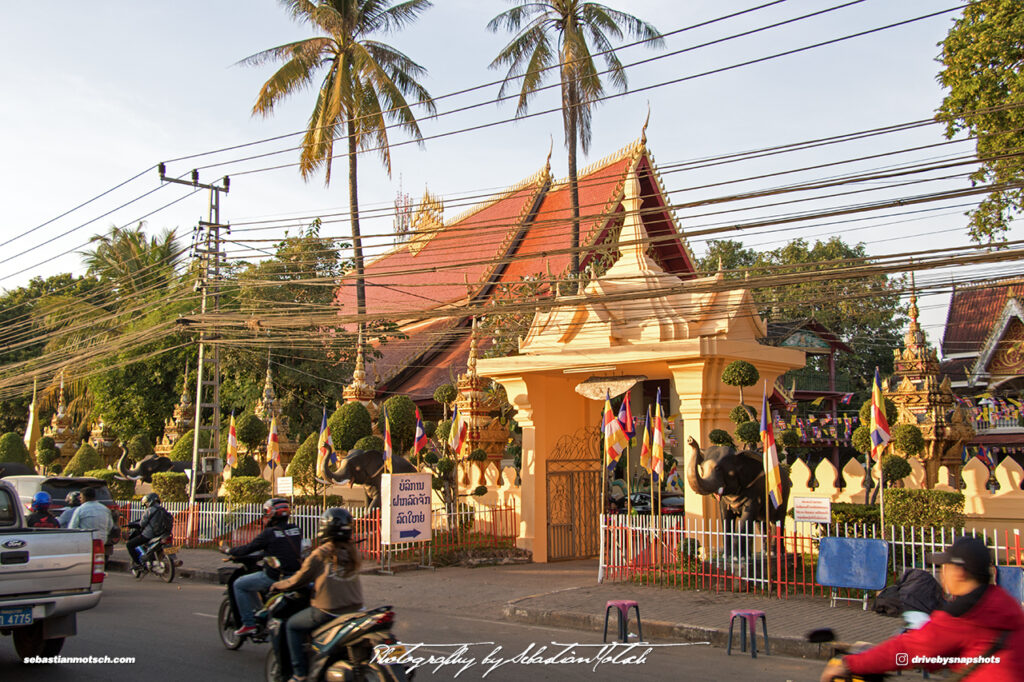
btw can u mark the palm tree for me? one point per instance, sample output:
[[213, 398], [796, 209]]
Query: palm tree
[[130, 263], [365, 84], [550, 30]]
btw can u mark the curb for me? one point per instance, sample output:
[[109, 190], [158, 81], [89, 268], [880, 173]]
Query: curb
[[653, 630], [206, 576]]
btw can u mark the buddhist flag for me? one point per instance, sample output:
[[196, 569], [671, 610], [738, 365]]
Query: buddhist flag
[[615, 440], [273, 445], [771, 454], [658, 444], [645, 449], [232, 459], [985, 458], [32, 433], [879, 425], [626, 417], [388, 448], [457, 436], [420, 440], [674, 481], [324, 444]]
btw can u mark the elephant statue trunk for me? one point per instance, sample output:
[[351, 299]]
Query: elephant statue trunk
[[699, 484], [364, 467], [125, 472]]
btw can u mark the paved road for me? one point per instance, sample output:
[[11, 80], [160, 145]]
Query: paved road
[[171, 632]]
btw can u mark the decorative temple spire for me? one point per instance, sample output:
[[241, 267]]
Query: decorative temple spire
[[60, 396], [359, 390], [471, 362], [269, 407], [185, 399], [643, 131], [914, 337]]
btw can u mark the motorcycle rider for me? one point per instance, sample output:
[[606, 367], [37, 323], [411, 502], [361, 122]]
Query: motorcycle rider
[[333, 567], [980, 620], [280, 539], [155, 521], [93, 515], [41, 516], [71, 502]]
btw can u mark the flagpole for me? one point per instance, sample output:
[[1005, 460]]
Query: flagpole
[[767, 492], [629, 475]]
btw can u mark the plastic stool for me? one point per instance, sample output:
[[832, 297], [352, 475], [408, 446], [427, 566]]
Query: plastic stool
[[749, 618], [623, 606]]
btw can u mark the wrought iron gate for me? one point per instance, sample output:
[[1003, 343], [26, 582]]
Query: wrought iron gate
[[574, 491]]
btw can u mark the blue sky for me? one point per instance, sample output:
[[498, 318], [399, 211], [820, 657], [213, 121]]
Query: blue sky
[[96, 92]]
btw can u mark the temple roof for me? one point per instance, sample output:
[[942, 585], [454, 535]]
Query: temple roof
[[973, 311], [787, 333]]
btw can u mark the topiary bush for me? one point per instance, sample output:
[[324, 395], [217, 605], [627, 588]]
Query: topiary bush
[[740, 374], [430, 458], [924, 508], [789, 438], [119, 490], [251, 432], [171, 486], [891, 413], [302, 468], [445, 394], [429, 428], [138, 447], [894, 468], [720, 437], [369, 443], [748, 432], [846, 512], [246, 466], [907, 439], [181, 451], [349, 423], [247, 489], [13, 449], [444, 429], [46, 452], [739, 415], [478, 455], [401, 411], [86, 459]]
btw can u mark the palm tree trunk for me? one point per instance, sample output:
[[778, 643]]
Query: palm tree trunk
[[353, 201], [574, 194]]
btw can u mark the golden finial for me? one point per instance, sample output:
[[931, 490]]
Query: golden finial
[[359, 389], [60, 396], [643, 131], [471, 362], [547, 163]]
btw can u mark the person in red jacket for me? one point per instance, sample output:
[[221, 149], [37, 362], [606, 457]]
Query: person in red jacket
[[979, 631]]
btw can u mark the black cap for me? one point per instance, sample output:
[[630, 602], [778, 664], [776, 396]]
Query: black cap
[[968, 552]]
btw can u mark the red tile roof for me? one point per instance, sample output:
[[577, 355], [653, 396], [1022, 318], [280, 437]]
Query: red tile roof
[[973, 312]]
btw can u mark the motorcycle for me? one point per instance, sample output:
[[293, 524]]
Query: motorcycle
[[826, 635], [159, 556], [228, 617], [340, 650]]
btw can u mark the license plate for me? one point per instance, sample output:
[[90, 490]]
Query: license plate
[[11, 617]]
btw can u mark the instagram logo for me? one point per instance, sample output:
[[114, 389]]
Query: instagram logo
[[902, 659]]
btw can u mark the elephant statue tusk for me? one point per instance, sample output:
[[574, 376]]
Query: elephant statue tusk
[[122, 469]]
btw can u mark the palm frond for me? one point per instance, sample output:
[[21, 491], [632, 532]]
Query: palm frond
[[390, 19]]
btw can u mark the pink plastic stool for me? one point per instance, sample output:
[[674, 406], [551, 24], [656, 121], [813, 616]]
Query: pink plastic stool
[[749, 619], [623, 606]]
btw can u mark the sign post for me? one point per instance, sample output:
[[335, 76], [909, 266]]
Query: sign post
[[405, 509]]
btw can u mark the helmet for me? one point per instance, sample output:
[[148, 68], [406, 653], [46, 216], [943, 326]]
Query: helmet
[[150, 499], [73, 499], [277, 508], [41, 501], [335, 524]]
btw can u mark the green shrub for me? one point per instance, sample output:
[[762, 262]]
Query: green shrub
[[479, 490], [13, 449], [789, 438], [181, 451], [445, 466], [444, 429], [445, 394], [845, 512], [478, 455], [401, 411], [251, 432], [139, 447], [861, 439], [369, 443], [748, 432], [247, 489], [720, 437], [86, 459], [740, 373], [890, 412], [429, 428], [926, 508], [908, 439], [302, 468], [46, 452], [739, 415], [119, 490], [894, 468], [171, 486], [247, 466], [430, 458], [349, 423]]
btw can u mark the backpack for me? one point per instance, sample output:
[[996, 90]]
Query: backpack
[[162, 523], [916, 590], [887, 602]]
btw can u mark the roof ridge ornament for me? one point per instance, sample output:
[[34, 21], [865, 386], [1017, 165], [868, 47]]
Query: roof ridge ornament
[[643, 130]]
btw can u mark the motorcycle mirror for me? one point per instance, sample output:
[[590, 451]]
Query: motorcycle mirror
[[821, 635], [272, 561]]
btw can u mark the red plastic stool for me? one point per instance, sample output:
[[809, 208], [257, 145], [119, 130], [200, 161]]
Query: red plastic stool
[[749, 619], [623, 606]]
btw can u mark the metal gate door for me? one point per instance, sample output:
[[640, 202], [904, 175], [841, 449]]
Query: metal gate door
[[574, 491]]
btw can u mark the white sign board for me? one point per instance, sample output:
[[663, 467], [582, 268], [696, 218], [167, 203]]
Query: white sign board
[[405, 508], [812, 510], [284, 486]]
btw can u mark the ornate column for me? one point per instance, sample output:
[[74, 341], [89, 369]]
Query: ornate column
[[61, 429]]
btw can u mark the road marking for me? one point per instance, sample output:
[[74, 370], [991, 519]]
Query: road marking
[[204, 615]]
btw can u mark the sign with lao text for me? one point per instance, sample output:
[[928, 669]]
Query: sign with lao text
[[812, 510], [284, 486], [405, 508]]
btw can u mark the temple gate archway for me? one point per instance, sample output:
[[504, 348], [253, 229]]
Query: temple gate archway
[[573, 496]]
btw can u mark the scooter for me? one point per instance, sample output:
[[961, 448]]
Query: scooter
[[229, 618], [340, 650], [159, 557]]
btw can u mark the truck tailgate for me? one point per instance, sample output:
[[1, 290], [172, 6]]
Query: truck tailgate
[[35, 561]]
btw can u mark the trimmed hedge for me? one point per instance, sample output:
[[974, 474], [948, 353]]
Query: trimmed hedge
[[401, 411], [890, 412], [369, 443], [739, 415], [181, 451], [720, 437], [138, 447], [251, 431], [895, 468], [119, 490], [740, 373], [845, 512], [247, 489], [246, 466], [13, 449], [907, 439], [445, 394], [86, 459], [926, 508], [171, 486], [748, 432], [302, 468], [46, 452], [348, 424]]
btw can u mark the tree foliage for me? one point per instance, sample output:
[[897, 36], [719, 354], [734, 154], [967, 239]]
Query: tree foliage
[[13, 449], [349, 423], [908, 439], [748, 432], [981, 58], [401, 411], [891, 413], [302, 468], [251, 432], [84, 460]]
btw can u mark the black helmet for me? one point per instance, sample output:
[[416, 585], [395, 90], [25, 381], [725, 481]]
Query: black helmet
[[73, 499], [277, 508], [150, 499], [335, 524]]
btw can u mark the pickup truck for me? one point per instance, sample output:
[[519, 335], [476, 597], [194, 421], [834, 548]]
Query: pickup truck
[[46, 577]]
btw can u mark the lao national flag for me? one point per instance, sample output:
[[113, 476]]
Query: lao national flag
[[615, 440], [626, 418], [420, 440], [232, 458], [645, 449], [879, 424], [771, 454], [658, 444], [324, 444], [985, 458], [388, 449], [273, 444]]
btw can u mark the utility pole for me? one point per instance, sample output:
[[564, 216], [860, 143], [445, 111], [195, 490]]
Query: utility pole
[[206, 250]]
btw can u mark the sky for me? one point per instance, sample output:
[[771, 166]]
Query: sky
[[98, 92]]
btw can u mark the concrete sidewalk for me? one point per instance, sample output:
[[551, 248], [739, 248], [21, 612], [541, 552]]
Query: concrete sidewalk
[[567, 595]]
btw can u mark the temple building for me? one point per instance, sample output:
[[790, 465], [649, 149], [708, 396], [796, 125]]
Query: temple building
[[62, 429]]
